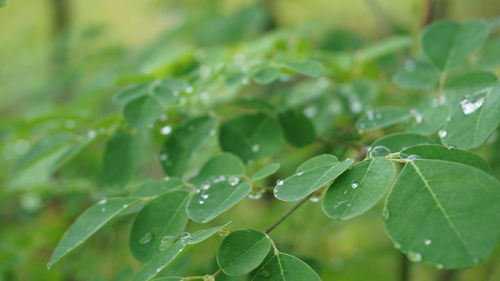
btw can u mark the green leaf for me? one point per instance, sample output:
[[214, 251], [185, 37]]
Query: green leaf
[[131, 93], [439, 152], [225, 164], [251, 136], [265, 172], [381, 118], [120, 157], [202, 235], [88, 223], [155, 188], [298, 129], [254, 103], [444, 213], [448, 43], [318, 160], [41, 148], [215, 198], [359, 189], [266, 74], [70, 153], [473, 119], [142, 112], [242, 251], [284, 267], [459, 86], [308, 180], [309, 68], [159, 262], [158, 225], [167, 94], [430, 120], [419, 79], [183, 141], [399, 141]]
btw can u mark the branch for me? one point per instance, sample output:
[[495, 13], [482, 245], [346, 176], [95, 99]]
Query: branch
[[287, 214]]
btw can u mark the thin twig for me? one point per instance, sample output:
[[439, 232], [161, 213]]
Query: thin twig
[[287, 214]]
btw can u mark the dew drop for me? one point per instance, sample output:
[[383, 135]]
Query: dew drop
[[201, 202], [208, 278], [91, 134], [232, 180], [379, 151], [469, 107], [442, 133], [385, 214], [189, 89], [103, 209], [166, 130], [256, 194], [279, 182], [414, 256], [397, 245], [103, 201], [354, 184], [413, 157], [146, 238], [314, 199], [255, 148], [163, 157], [300, 174], [427, 242], [205, 186], [370, 115], [439, 266], [204, 196]]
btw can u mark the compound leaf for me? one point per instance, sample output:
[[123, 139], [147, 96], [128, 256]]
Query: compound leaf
[[298, 129]]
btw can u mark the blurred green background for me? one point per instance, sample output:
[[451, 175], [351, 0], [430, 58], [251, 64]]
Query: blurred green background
[[59, 60]]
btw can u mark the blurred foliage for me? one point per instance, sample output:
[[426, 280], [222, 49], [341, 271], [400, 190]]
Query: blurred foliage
[[67, 89]]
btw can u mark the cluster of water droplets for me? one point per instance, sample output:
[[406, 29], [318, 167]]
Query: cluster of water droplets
[[206, 185]]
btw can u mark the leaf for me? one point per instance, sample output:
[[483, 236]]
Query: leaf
[[155, 188], [41, 148], [167, 93], [202, 235], [473, 119], [159, 262], [242, 251], [284, 267], [298, 129], [306, 181], [88, 223], [183, 141], [158, 225], [142, 112], [254, 103], [309, 68], [120, 157], [218, 197], [265, 172], [266, 74], [131, 93], [459, 86], [447, 43], [318, 160], [399, 141], [444, 213], [439, 152], [419, 79], [359, 189], [381, 118], [225, 164], [251, 136], [70, 153], [431, 119]]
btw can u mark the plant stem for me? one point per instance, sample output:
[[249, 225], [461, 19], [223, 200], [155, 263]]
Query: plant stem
[[287, 214], [404, 268], [447, 275]]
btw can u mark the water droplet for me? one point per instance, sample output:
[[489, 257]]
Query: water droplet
[[379, 151], [414, 256], [166, 130], [354, 184], [146, 238], [91, 134], [163, 157], [413, 157], [439, 266], [427, 242], [158, 269], [279, 182], [205, 186], [124, 206], [103, 201], [232, 180], [469, 106], [385, 214], [442, 133], [397, 245], [189, 89], [103, 209], [204, 196], [314, 198], [212, 132], [208, 278], [300, 174], [370, 115], [356, 107], [418, 117], [256, 194], [201, 202], [255, 148]]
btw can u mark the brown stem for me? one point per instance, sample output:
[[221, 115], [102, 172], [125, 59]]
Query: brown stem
[[287, 214]]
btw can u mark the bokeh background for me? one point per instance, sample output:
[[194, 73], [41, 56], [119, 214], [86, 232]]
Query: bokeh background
[[59, 60]]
